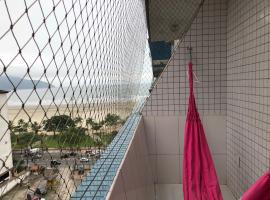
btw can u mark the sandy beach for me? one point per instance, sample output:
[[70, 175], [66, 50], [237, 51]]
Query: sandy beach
[[96, 111]]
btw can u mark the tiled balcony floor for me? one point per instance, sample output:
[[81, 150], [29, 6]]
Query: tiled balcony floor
[[174, 191]]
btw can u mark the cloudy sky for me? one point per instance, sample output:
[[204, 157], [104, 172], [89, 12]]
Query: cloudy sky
[[14, 12], [102, 46]]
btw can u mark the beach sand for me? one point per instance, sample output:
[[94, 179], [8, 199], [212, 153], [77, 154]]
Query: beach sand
[[96, 111]]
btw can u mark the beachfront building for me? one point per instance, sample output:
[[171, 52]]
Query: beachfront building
[[99, 89], [6, 163]]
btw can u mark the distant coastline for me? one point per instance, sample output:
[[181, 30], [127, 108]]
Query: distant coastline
[[8, 83]]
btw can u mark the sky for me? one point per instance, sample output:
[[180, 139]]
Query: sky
[[105, 42]]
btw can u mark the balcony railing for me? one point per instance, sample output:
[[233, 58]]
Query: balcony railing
[[97, 183], [72, 73]]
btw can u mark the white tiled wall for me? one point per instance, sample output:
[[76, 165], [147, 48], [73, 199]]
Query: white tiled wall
[[165, 141], [165, 112], [231, 56], [248, 100], [135, 178], [207, 37], [174, 192]]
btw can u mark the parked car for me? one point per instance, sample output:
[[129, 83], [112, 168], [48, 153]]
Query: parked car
[[37, 155], [31, 196], [84, 159], [64, 156], [72, 154], [55, 163], [41, 189], [88, 151], [80, 168], [32, 152], [92, 153]]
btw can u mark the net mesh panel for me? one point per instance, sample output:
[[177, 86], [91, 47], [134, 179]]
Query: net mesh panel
[[71, 72]]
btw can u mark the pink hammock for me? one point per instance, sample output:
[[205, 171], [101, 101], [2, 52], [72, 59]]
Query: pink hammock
[[260, 189], [199, 176]]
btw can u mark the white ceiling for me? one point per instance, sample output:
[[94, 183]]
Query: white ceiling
[[168, 19]]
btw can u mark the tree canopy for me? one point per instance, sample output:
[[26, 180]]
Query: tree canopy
[[58, 123], [73, 136], [112, 119], [94, 125]]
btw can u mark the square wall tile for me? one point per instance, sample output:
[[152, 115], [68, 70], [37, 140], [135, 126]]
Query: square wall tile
[[153, 164], [167, 136], [149, 127], [168, 169], [215, 132], [118, 192], [131, 194], [129, 170], [220, 165], [169, 192], [175, 192], [181, 132]]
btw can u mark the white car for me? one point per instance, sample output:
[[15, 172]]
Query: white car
[[84, 159], [34, 150]]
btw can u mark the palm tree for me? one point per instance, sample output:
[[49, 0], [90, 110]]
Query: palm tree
[[112, 120], [78, 120], [22, 126], [89, 121], [98, 143], [94, 125], [35, 127], [11, 126]]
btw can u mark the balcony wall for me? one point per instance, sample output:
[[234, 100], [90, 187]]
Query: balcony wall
[[248, 90], [165, 112], [134, 179]]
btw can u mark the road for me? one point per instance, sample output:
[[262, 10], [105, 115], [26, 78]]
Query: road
[[66, 185], [48, 156]]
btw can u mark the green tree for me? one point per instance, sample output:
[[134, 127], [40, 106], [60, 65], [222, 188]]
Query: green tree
[[18, 165], [58, 123], [22, 126], [72, 137], [13, 136], [78, 120], [11, 126], [27, 139], [89, 121], [94, 125], [35, 127], [112, 120], [98, 142]]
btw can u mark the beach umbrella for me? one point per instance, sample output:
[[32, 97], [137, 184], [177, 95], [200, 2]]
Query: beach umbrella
[[199, 175], [260, 189]]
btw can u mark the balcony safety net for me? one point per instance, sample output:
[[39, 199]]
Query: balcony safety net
[[71, 73]]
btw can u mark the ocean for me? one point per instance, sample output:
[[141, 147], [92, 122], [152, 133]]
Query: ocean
[[78, 95]]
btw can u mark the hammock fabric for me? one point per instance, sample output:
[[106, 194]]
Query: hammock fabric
[[260, 189], [199, 176]]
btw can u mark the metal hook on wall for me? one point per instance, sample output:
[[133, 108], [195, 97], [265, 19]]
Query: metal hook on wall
[[190, 58], [190, 53]]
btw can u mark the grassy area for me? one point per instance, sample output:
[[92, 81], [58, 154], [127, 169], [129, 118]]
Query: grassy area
[[51, 142], [57, 141]]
